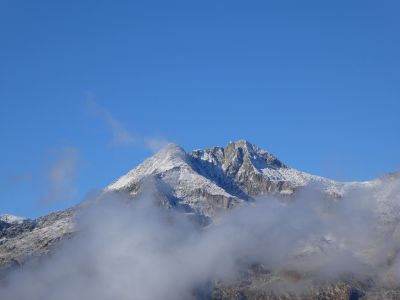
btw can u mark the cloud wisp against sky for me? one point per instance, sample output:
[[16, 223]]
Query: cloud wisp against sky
[[121, 136], [61, 176]]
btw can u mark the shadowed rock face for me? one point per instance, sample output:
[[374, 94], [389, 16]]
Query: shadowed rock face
[[238, 169], [202, 183]]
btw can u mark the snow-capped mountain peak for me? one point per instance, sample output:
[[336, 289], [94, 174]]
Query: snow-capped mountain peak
[[218, 177]]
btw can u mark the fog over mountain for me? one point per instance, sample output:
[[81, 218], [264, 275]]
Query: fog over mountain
[[228, 222]]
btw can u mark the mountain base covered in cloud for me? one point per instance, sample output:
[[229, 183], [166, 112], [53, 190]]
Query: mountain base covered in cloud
[[220, 223]]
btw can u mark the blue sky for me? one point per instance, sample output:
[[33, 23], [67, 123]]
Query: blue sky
[[87, 87]]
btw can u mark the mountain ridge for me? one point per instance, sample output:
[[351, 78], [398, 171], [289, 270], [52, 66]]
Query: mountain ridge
[[200, 183], [226, 176]]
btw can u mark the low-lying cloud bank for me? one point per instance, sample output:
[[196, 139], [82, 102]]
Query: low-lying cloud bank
[[137, 250]]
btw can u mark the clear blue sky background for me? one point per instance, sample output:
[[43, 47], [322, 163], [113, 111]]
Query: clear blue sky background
[[317, 83]]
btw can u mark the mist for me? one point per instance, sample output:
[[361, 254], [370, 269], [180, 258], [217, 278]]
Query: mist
[[135, 249]]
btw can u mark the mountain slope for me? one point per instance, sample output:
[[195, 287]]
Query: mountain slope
[[29, 238]]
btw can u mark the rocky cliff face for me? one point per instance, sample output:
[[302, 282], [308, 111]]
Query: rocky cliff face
[[202, 183]]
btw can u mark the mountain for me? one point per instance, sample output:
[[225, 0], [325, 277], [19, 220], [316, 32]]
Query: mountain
[[201, 183], [205, 181]]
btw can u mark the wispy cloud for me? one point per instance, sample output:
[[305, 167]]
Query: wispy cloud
[[121, 136], [61, 177]]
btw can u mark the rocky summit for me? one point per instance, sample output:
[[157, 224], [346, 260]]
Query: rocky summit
[[204, 183]]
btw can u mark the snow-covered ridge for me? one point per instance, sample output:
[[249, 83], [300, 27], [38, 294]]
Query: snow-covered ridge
[[11, 219], [219, 177]]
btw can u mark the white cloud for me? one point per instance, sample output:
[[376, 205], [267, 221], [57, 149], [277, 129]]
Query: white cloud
[[126, 249]]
